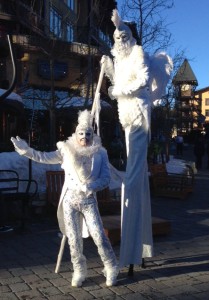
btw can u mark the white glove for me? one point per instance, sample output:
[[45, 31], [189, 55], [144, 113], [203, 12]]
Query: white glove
[[104, 59], [85, 190], [110, 90], [116, 91], [20, 145]]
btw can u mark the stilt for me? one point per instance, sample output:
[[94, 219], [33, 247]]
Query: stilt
[[60, 254], [143, 264], [131, 270]]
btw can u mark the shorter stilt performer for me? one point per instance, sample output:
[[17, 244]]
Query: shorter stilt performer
[[137, 81], [86, 167]]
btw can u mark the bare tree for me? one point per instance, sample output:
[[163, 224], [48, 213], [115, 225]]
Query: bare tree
[[164, 115], [153, 33], [149, 17]]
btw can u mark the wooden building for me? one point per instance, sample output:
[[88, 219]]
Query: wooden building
[[188, 106], [57, 46]]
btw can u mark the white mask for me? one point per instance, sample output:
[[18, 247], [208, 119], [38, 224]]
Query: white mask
[[84, 136], [121, 36]]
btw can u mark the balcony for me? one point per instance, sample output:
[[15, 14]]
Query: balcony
[[35, 42]]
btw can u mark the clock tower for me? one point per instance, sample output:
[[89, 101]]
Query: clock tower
[[188, 107]]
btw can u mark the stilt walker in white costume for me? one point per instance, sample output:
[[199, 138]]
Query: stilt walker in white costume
[[137, 80], [86, 167]]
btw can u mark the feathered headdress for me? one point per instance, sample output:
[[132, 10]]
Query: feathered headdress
[[118, 22], [84, 119], [116, 19]]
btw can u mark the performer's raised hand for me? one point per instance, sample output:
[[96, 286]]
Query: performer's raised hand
[[107, 64], [110, 93], [104, 59], [20, 145]]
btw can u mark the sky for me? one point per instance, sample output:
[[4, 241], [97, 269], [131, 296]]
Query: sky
[[189, 25]]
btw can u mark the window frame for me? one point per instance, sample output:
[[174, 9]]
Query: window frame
[[206, 101], [207, 112], [55, 22]]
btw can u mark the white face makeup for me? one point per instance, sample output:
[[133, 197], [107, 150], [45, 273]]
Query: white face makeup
[[84, 136], [121, 36], [123, 43]]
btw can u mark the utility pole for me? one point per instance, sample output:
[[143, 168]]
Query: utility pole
[[52, 116], [89, 78]]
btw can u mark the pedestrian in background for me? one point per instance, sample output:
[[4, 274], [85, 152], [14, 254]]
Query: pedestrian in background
[[179, 144], [199, 151], [207, 147]]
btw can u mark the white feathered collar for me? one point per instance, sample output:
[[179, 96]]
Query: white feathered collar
[[73, 148]]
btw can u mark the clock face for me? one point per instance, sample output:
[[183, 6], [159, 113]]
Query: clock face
[[185, 87]]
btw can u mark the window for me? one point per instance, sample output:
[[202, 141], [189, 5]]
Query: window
[[105, 38], [207, 101], [55, 22], [69, 33], [60, 69], [71, 4], [60, 29], [207, 112]]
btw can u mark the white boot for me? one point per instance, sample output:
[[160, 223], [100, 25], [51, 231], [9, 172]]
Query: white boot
[[111, 274], [79, 277]]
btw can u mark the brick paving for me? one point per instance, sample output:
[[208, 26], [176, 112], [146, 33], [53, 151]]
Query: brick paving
[[179, 269]]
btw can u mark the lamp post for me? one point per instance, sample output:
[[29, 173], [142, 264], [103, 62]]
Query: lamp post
[[14, 66], [7, 92]]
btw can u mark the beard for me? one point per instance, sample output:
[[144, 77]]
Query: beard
[[123, 49]]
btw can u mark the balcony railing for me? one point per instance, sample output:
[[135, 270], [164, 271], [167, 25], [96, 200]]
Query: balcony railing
[[35, 42]]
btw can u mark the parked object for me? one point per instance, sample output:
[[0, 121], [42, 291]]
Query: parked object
[[171, 185], [10, 191]]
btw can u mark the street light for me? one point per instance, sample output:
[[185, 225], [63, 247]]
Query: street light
[[5, 52]]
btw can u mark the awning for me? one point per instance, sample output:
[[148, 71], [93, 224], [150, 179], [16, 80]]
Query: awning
[[12, 96], [13, 101]]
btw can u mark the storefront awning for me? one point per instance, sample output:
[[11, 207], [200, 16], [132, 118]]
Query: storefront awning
[[12, 96]]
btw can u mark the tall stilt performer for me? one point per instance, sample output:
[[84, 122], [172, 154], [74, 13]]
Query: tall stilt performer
[[86, 167], [137, 80]]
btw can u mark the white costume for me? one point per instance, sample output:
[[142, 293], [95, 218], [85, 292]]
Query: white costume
[[135, 87], [86, 172]]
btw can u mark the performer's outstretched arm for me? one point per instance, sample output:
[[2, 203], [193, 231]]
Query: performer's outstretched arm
[[22, 148]]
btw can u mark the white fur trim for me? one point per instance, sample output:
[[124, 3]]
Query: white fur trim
[[130, 112], [130, 79]]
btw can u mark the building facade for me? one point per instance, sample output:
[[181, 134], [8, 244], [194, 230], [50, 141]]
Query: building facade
[[203, 96], [57, 46]]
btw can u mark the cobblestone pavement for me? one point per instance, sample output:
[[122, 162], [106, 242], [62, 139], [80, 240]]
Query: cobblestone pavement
[[178, 270]]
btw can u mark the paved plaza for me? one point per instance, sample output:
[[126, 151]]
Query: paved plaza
[[178, 270]]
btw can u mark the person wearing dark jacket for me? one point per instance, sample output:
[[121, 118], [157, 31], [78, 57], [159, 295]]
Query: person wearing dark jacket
[[199, 151]]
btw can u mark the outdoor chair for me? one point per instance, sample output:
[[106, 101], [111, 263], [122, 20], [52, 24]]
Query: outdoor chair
[[171, 185], [14, 189]]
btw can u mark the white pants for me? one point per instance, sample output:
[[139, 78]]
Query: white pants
[[72, 218], [136, 234]]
